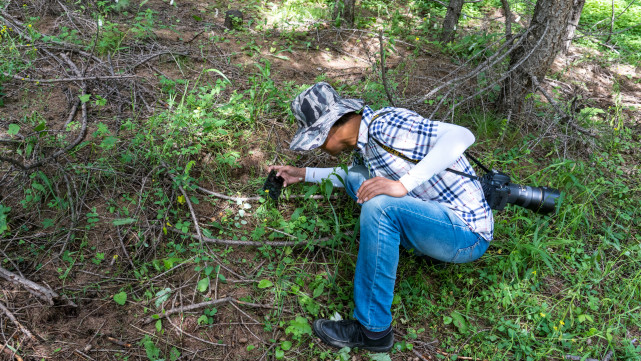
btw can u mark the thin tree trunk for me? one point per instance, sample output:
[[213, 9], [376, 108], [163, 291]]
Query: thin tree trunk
[[451, 20], [345, 14], [577, 8], [534, 58], [348, 13]]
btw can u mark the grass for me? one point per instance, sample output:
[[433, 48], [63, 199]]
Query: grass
[[548, 286]]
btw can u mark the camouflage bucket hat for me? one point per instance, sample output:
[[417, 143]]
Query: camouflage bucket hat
[[316, 110]]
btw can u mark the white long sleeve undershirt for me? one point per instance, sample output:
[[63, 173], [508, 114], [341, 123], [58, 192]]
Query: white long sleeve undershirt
[[452, 140]]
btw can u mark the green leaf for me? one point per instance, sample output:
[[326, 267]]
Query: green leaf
[[174, 354], [120, 298], [265, 284], [159, 325], [40, 127], [380, 357], [84, 98], [123, 221], [459, 322], [286, 345], [203, 284], [202, 319], [319, 290], [109, 142], [447, 320], [299, 327], [279, 354], [222, 278], [13, 129]]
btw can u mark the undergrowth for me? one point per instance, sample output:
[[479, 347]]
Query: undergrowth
[[549, 286]]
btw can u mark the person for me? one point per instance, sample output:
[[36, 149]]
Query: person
[[407, 199]]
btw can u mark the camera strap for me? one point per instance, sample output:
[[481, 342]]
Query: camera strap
[[404, 157]]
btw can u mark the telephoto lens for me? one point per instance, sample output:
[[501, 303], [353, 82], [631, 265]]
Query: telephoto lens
[[537, 199]]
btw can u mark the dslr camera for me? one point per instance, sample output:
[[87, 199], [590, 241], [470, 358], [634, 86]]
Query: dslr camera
[[499, 191]]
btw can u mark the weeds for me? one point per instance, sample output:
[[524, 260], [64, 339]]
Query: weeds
[[108, 224]]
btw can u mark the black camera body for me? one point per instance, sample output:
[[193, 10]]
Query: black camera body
[[499, 191]]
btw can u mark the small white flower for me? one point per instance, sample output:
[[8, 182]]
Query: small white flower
[[335, 317], [99, 22], [171, 2], [247, 205]]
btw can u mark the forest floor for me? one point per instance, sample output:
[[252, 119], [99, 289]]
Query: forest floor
[[114, 225]]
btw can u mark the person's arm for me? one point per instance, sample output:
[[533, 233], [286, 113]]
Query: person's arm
[[293, 175], [450, 144]]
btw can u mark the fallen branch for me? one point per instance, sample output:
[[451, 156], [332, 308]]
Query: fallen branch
[[245, 199], [82, 78], [558, 109], [579, 358], [232, 242], [200, 305], [9, 351], [13, 319], [191, 208], [43, 293]]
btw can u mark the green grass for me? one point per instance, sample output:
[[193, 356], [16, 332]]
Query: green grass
[[547, 287]]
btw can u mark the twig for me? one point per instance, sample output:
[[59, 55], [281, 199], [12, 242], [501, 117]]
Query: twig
[[200, 305], [118, 342], [191, 208], [384, 78], [579, 358], [80, 78], [245, 199], [563, 115], [233, 242], [11, 353], [13, 319], [43, 293]]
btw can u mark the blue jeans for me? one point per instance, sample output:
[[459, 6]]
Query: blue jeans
[[426, 227]]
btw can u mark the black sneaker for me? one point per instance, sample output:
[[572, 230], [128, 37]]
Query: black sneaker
[[346, 333]]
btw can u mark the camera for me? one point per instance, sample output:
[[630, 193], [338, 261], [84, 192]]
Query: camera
[[499, 191], [273, 185]]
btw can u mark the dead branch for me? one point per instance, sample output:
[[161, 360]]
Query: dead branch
[[383, 77], [191, 208], [231, 242], [497, 57], [245, 199], [579, 358], [13, 319], [43, 293], [11, 353], [561, 113], [80, 78], [198, 306]]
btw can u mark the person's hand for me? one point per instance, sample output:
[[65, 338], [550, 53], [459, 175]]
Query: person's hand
[[379, 185], [290, 174]]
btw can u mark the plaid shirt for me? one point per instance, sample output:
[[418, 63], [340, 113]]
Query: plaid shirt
[[414, 136]]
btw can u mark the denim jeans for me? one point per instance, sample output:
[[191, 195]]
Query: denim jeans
[[426, 227]]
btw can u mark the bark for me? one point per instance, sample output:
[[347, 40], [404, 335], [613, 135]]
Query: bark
[[535, 56], [451, 20], [346, 13], [577, 8]]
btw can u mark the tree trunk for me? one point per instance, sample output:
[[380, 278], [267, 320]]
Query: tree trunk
[[346, 13], [577, 8], [535, 56], [451, 20]]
